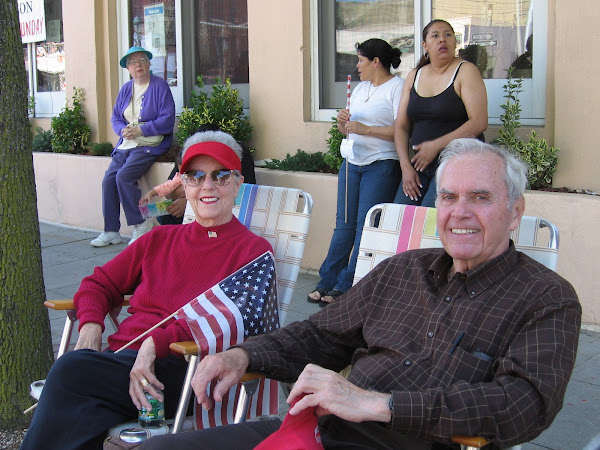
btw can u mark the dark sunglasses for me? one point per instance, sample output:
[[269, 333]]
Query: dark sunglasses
[[221, 177]]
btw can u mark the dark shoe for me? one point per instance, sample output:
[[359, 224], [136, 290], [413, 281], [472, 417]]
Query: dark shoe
[[333, 294], [322, 292]]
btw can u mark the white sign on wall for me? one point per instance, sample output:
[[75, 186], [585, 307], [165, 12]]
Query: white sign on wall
[[32, 19]]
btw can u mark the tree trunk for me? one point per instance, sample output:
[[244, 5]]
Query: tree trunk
[[25, 341]]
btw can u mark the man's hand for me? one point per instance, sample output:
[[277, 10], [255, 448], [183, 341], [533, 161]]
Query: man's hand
[[227, 368], [331, 393], [90, 337], [143, 369]]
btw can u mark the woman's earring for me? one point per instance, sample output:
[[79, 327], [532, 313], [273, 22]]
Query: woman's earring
[[426, 55]]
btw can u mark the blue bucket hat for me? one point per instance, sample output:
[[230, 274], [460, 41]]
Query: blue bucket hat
[[133, 49]]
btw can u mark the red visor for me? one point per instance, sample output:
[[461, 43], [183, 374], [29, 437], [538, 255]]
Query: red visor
[[221, 152]]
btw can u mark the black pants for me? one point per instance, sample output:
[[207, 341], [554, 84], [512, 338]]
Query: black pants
[[335, 434], [87, 392]]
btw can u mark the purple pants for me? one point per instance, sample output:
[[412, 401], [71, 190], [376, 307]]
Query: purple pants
[[120, 186]]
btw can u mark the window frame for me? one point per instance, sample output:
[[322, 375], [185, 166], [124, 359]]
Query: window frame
[[532, 98]]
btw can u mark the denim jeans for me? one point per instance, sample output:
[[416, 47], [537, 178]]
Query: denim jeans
[[367, 185], [428, 191]]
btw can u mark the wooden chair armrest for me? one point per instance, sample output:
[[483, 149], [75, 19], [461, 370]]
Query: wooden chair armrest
[[66, 305], [184, 348], [471, 441], [60, 305]]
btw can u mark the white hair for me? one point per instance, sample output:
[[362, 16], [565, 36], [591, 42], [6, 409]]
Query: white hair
[[212, 136], [515, 173]]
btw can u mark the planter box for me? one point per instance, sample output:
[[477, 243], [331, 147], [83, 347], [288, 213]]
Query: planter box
[[69, 192], [69, 188]]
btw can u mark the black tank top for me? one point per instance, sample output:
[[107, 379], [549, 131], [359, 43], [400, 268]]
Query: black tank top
[[432, 117]]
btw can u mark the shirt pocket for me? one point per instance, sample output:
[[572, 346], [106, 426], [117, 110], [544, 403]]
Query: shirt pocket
[[470, 367]]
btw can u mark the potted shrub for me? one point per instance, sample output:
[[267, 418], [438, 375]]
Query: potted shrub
[[541, 158], [223, 107]]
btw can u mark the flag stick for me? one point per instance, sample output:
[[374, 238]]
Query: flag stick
[[31, 408], [147, 331]]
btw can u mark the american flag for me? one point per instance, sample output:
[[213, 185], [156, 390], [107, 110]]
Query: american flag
[[243, 304]]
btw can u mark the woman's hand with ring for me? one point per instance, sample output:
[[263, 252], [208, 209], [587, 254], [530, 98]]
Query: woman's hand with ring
[[343, 116], [142, 378], [427, 152]]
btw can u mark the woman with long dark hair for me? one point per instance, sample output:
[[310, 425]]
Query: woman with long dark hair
[[370, 172]]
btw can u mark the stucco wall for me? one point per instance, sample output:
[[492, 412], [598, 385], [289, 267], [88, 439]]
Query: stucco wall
[[577, 94], [69, 188], [279, 57]]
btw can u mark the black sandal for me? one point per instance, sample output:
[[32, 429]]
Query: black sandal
[[322, 292]]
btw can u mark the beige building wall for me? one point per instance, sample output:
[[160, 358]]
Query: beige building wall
[[280, 93], [280, 80], [90, 32], [577, 97], [279, 57]]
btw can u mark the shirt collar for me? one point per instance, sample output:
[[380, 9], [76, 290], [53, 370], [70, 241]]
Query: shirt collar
[[482, 277]]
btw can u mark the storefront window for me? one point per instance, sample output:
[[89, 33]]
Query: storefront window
[[221, 33], [153, 27], [343, 23], [494, 35], [50, 54]]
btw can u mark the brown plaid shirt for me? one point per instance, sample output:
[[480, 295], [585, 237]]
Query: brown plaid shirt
[[487, 353]]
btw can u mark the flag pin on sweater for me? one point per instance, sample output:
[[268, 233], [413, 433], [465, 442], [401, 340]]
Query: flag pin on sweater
[[212, 234]]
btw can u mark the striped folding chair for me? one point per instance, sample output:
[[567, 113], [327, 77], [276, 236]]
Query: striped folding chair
[[391, 229]]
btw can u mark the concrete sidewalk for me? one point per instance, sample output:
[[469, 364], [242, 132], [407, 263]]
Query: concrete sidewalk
[[68, 257]]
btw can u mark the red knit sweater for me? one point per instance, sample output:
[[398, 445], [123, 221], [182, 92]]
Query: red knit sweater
[[167, 268]]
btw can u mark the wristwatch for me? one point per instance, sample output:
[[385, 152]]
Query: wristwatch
[[391, 405]]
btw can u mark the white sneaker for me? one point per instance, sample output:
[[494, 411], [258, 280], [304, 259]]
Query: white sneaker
[[106, 238], [141, 228]]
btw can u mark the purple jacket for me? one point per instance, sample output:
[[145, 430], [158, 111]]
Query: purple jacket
[[157, 110]]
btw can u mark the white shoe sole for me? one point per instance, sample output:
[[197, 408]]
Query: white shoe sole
[[105, 244]]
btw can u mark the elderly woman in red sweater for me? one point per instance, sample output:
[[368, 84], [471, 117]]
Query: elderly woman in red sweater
[[88, 391]]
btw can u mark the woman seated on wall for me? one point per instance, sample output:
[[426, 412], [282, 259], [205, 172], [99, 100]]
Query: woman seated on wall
[[88, 391]]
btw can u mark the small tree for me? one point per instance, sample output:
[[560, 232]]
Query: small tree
[[70, 133], [25, 342], [541, 158], [333, 158], [223, 108]]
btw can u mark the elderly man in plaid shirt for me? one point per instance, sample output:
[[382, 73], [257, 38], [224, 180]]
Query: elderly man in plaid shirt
[[472, 339]]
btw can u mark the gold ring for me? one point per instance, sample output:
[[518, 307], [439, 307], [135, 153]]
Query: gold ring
[[144, 382]]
